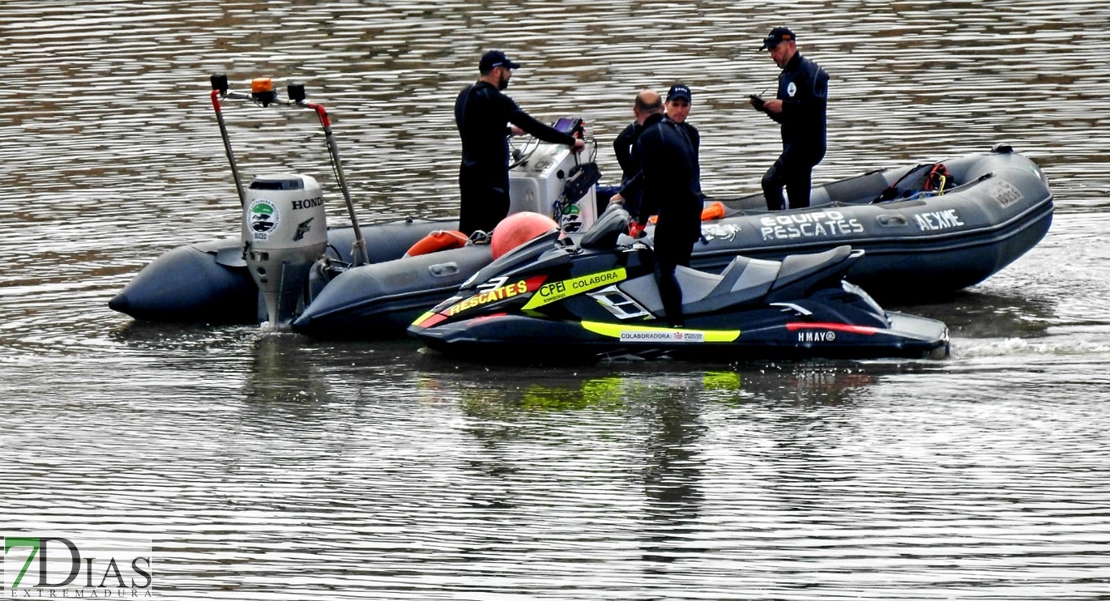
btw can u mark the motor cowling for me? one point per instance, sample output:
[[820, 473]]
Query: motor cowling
[[284, 232]]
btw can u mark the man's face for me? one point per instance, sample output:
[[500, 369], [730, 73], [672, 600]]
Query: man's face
[[782, 52], [503, 78], [678, 109]]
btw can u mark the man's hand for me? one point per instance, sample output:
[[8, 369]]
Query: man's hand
[[616, 199], [579, 145], [773, 106], [516, 130]]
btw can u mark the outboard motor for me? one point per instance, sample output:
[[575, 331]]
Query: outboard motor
[[284, 232]]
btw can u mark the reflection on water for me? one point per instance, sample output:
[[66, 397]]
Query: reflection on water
[[271, 466]]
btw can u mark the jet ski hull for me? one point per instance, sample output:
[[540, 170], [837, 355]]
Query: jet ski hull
[[521, 339], [564, 301]]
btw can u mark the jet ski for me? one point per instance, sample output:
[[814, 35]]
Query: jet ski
[[554, 300]]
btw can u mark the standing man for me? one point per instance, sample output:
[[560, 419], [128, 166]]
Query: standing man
[[628, 156], [670, 189], [624, 147], [800, 107], [678, 104], [483, 115], [677, 109]]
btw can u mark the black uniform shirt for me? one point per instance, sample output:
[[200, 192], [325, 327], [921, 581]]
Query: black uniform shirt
[[482, 114], [804, 92]]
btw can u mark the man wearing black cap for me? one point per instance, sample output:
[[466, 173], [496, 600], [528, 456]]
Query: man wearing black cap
[[799, 106], [483, 114], [678, 104]]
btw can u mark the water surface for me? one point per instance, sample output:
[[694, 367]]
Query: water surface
[[271, 466]]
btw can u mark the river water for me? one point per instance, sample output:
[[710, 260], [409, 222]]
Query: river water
[[271, 466]]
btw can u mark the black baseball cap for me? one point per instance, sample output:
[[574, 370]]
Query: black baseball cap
[[495, 58], [679, 90], [778, 34]]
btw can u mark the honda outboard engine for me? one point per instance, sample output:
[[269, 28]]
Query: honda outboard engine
[[284, 232]]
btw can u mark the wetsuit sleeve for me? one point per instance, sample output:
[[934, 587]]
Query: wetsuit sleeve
[[544, 132], [649, 147], [695, 141], [622, 147], [634, 187]]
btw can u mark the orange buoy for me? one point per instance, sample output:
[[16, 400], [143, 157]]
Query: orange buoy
[[518, 228], [437, 241]]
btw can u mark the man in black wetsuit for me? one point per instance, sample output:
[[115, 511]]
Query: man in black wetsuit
[[677, 108], [483, 114], [799, 106], [624, 147], [670, 190], [628, 155]]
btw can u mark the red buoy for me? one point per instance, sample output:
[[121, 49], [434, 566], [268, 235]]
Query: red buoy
[[518, 228]]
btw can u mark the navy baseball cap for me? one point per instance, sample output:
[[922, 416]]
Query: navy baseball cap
[[496, 58], [679, 90], [778, 34]]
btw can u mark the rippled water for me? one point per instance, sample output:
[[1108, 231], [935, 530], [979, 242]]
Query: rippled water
[[270, 466]]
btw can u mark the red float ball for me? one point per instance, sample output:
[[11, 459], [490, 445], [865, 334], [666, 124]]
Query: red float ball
[[518, 228]]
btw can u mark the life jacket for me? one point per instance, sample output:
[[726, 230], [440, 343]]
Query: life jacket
[[936, 180], [437, 241], [713, 211]]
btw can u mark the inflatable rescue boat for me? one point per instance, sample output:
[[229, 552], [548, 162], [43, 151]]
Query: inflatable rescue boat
[[928, 230]]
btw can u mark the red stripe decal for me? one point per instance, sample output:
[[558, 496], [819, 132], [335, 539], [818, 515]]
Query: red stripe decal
[[836, 327]]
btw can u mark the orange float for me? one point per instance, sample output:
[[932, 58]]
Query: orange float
[[437, 241]]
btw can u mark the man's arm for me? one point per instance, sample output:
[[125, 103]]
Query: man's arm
[[540, 130], [653, 165]]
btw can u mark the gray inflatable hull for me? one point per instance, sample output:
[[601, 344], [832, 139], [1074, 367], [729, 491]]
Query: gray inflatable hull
[[208, 282]]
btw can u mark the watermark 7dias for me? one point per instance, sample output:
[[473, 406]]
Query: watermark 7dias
[[77, 566]]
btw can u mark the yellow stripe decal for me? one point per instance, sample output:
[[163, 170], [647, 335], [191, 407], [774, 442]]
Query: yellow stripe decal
[[557, 291], [631, 333]]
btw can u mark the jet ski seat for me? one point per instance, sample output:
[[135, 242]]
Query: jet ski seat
[[744, 281], [603, 234], [799, 267]]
